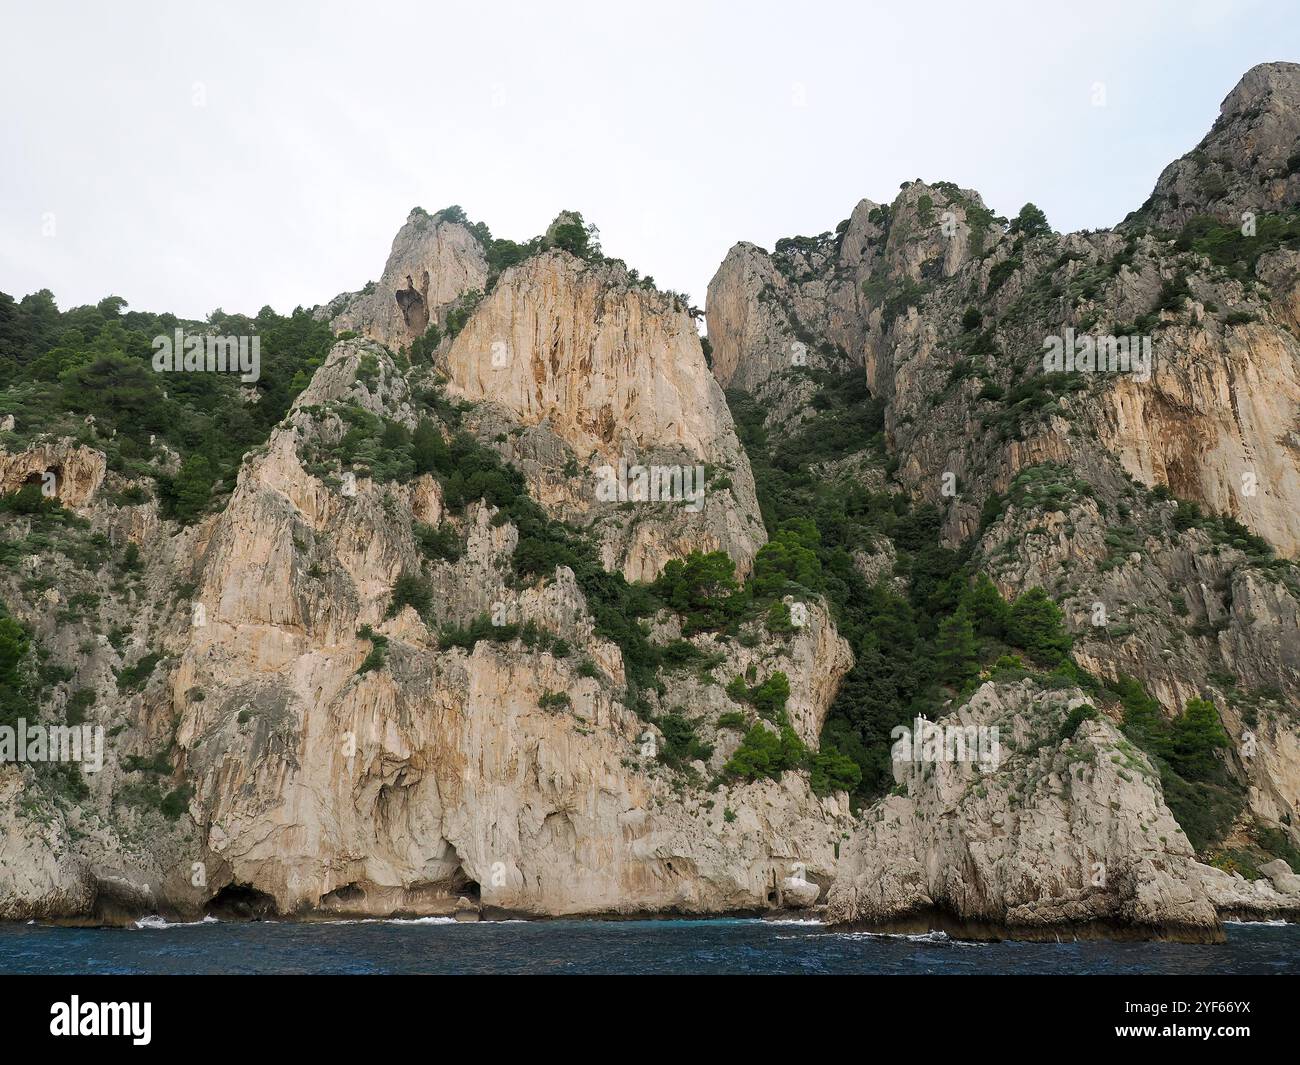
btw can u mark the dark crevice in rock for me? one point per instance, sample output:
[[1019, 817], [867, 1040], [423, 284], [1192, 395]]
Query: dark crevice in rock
[[241, 902], [414, 303]]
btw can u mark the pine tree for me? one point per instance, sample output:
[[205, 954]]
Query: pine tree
[[1031, 221], [191, 488], [988, 611], [956, 654], [1037, 625], [14, 645], [1194, 737]]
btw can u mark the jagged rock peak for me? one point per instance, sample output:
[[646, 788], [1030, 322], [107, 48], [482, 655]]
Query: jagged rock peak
[[809, 302], [589, 367], [435, 260], [1249, 160]]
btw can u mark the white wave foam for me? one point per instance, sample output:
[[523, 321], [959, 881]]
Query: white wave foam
[[1273, 923], [933, 936], [154, 923]]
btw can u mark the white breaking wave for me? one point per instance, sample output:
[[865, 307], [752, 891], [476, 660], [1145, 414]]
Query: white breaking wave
[[1272, 923], [916, 937], [154, 922], [794, 920]]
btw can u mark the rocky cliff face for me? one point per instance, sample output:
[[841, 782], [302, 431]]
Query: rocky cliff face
[[1067, 832], [1065, 480], [1247, 162], [1071, 480], [438, 780], [826, 302], [40, 875], [433, 263], [1187, 612], [62, 469], [1214, 421], [587, 370], [342, 693], [443, 774]]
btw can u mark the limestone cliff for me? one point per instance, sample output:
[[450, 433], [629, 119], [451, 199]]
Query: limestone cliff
[[443, 773], [433, 263], [1159, 508], [62, 469], [586, 370], [1067, 833], [410, 662], [437, 779], [1214, 422], [1247, 162]]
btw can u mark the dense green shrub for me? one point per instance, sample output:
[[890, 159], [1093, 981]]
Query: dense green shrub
[[766, 754], [15, 681], [789, 558], [411, 589], [133, 678], [956, 653], [1227, 246], [768, 698], [832, 771], [441, 543], [702, 588], [681, 745], [378, 654], [96, 360], [1036, 624]]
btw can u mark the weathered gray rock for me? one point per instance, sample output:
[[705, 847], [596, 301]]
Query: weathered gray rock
[[1281, 875], [1245, 163], [40, 872], [1063, 833], [798, 894], [77, 471], [1237, 898], [433, 263]]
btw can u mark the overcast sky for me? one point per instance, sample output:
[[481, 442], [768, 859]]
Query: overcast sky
[[194, 156]]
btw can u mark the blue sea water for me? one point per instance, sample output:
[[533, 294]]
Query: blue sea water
[[608, 947]]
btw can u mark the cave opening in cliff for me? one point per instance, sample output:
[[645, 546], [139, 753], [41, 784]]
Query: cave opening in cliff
[[341, 897], [52, 476], [462, 884], [241, 902], [413, 303]]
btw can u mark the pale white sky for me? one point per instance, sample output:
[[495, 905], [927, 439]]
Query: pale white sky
[[678, 128]]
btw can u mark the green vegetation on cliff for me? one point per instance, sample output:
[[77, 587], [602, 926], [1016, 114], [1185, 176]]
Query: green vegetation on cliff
[[924, 629], [87, 373]]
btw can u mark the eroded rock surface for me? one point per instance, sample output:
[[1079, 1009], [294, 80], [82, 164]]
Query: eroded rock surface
[[1067, 831], [433, 263]]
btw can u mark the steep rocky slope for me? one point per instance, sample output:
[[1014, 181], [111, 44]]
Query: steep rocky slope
[[1159, 509], [1248, 160], [1067, 834], [442, 773], [435, 260], [1216, 421], [323, 747], [585, 369], [415, 658]]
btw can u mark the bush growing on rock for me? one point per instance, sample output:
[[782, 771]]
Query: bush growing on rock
[[410, 589], [766, 754]]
